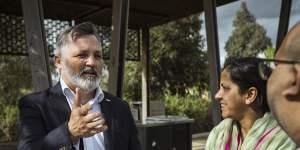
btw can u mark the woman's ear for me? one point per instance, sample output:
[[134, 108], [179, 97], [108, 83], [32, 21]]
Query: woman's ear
[[251, 95]]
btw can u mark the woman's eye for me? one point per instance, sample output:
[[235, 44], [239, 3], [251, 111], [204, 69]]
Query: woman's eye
[[225, 87]]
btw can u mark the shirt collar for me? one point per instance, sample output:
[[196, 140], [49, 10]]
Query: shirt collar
[[99, 96]]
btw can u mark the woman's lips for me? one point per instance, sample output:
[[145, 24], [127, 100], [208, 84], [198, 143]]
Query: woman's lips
[[222, 105]]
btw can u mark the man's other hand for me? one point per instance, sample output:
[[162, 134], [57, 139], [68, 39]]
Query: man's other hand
[[84, 123]]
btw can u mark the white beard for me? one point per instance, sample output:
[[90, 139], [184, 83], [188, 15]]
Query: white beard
[[87, 84]]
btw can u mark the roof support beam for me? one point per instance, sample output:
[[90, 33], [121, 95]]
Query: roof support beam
[[92, 12], [36, 42], [283, 21], [213, 54], [119, 41]]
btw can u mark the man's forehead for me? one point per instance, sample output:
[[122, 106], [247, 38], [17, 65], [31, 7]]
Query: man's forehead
[[90, 50]]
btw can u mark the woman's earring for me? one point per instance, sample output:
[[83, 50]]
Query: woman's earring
[[248, 101]]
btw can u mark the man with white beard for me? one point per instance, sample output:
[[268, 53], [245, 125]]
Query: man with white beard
[[76, 114]]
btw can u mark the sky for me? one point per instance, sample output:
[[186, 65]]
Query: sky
[[266, 12]]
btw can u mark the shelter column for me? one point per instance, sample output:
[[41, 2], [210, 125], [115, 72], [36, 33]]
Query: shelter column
[[36, 42], [145, 74], [213, 55], [119, 41]]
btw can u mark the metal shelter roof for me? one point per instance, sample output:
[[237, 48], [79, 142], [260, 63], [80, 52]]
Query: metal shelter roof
[[141, 12]]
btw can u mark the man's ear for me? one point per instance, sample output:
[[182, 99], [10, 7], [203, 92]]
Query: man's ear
[[293, 89], [251, 95], [58, 63]]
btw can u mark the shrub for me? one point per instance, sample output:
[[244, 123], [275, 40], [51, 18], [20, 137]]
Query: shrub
[[192, 106], [15, 82], [8, 119]]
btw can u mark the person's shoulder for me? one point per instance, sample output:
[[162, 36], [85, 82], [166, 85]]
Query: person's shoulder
[[280, 139], [217, 132], [120, 106], [224, 124], [114, 99], [271, 118], [35, 97]]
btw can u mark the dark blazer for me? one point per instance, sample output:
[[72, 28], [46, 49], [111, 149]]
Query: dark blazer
[[44, 117]]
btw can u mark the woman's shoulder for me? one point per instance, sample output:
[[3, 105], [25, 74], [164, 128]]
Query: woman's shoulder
[[280, 137], [224, 124], [217, 134]]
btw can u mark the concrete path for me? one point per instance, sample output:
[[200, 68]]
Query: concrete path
[[198, 144], [199, 141]]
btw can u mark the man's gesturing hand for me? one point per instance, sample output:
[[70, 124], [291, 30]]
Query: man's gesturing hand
[[83, 123]]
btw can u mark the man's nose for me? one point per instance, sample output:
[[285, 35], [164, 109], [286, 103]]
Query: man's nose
[[91, 61]]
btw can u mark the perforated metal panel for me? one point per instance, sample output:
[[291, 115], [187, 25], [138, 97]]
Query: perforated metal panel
[[105, 38], [12, 35], [133, 47], [13, 38], [52, 29], [132, 52]]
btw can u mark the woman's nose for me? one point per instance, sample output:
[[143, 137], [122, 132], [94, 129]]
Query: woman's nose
[[218, 95]]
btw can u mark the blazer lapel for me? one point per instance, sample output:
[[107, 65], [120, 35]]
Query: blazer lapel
[[59, 102], [106, 108]]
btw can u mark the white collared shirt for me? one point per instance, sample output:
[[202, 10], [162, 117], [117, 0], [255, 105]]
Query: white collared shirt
[[95, 142]]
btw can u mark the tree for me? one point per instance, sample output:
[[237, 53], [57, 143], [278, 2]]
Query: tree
[[269, 53], [248, 38], [178, 59]]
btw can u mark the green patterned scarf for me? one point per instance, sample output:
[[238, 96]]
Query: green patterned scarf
[[265, 134]]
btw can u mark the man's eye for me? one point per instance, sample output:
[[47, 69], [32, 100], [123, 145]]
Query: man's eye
[[82, 56], [99, 56]]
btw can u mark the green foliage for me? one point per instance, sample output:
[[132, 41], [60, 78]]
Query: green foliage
[[132, 81], [270, 52], [248, 38], [15, 82], [179, 66], [192, 106], [8, 119], [178, 60]]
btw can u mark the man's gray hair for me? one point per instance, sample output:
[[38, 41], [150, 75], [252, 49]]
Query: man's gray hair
[[72, 33]]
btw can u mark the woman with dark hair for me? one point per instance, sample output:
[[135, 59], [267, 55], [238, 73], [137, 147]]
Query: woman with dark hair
[[248, 125]]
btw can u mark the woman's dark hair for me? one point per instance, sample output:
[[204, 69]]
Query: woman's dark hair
[[245, 73]]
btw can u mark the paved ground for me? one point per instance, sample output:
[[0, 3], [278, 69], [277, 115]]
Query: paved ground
[[199, 140], [8, 146], [198, 143]]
